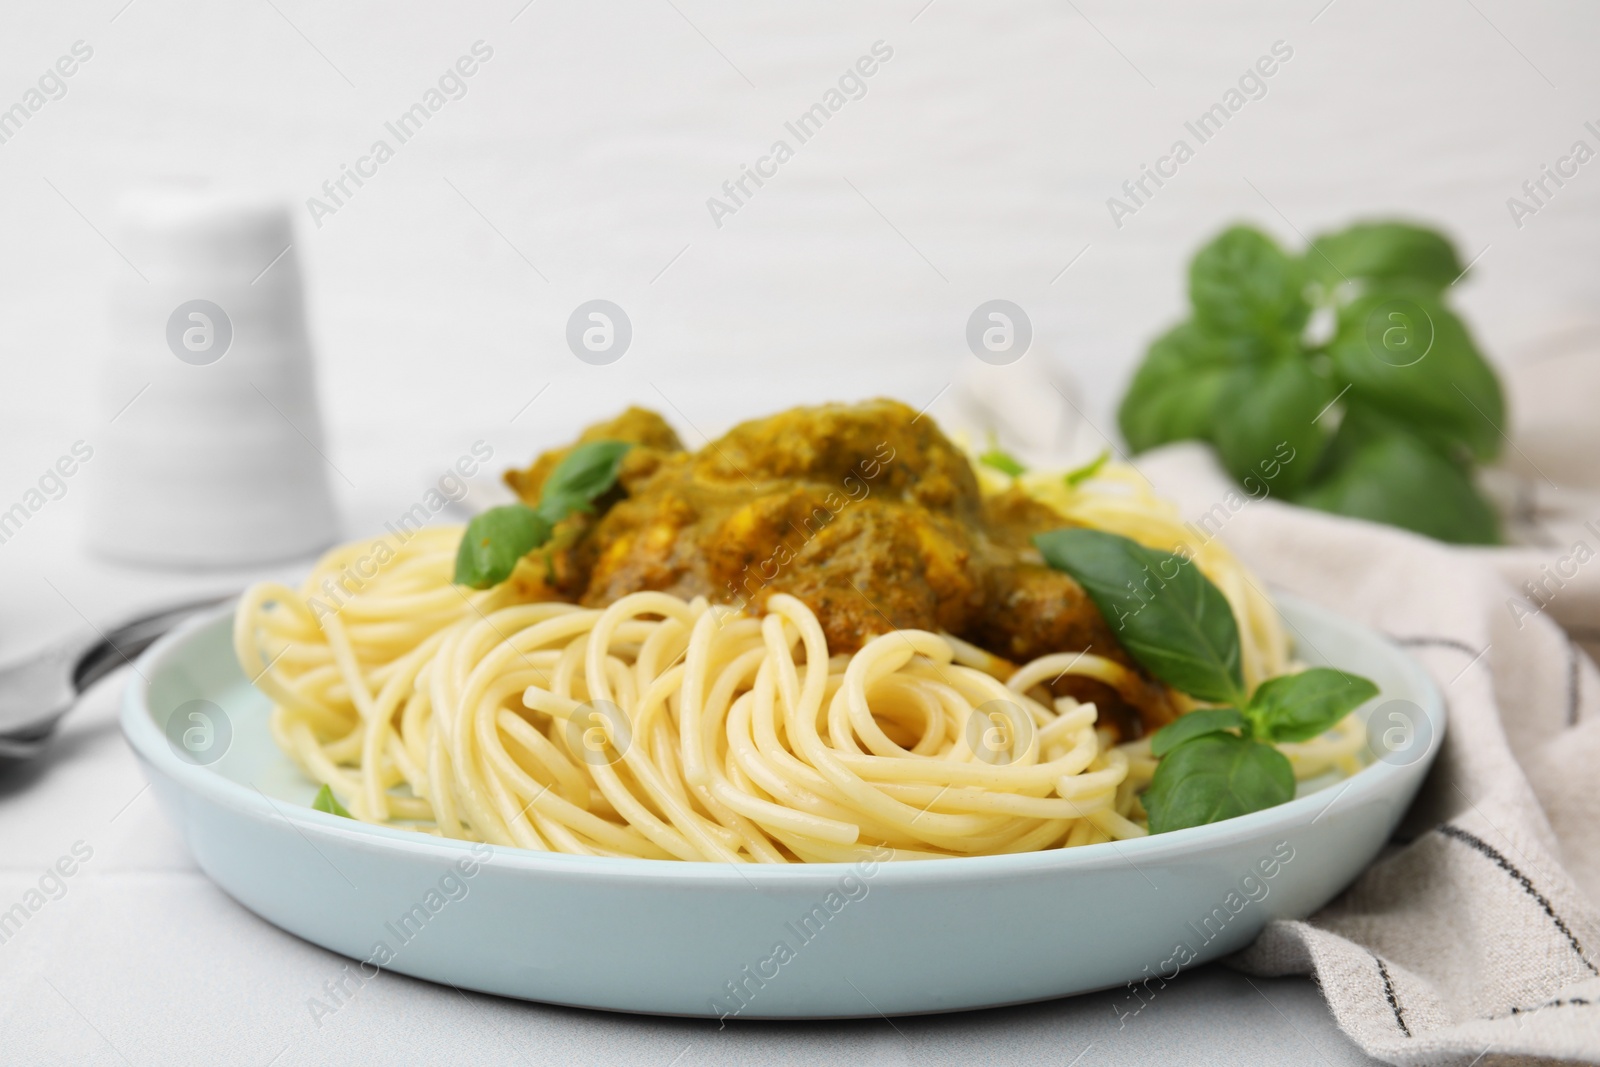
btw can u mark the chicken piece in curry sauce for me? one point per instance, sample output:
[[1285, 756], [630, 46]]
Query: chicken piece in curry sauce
[[865, 512]]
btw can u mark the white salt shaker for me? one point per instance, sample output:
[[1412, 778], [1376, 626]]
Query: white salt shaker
[[214, 454]]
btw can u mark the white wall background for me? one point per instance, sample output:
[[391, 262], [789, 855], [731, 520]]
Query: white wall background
[[989, 144]]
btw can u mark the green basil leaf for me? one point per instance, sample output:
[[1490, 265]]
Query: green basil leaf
[[1078, 475], [495, 540], [1361, 426], [326, 801], [1174, 393], [1383, 473], [1243, 283], [1409, 355], [1195, 724], [584, 474], [1003, 462], [1215, 777], [1268, 434], [1166, 613], [1382, 252], [1298, 707]]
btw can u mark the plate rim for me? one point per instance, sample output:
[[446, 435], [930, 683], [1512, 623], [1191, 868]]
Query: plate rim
[[1375, 780]]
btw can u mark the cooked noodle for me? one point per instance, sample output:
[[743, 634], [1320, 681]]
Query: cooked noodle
[[671, 729], [1119, 500]]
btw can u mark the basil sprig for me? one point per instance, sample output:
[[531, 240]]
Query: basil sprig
[[326, 801], [496, 539], [1197, 723], [1213, 777], [1166, 613], [1003, 461], [582, 476], [1078, 475], [1377, 407], [1215, 762]]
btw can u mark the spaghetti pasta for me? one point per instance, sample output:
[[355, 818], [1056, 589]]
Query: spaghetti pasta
[[658, 727]]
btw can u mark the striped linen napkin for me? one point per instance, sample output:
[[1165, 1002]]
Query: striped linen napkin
[[1475, 936]]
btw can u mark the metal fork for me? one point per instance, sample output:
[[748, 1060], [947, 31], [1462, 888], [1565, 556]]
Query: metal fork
[[36, 692]]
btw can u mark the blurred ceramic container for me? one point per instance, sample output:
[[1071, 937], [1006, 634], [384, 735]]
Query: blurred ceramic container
[[215, 454]]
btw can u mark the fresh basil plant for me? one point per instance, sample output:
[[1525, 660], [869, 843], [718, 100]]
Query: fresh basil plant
[[1338, 379]]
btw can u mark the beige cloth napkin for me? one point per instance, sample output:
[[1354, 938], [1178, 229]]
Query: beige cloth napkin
[[1474, 939]]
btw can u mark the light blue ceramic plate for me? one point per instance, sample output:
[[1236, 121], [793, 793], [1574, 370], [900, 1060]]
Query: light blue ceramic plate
[[814, 941]]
